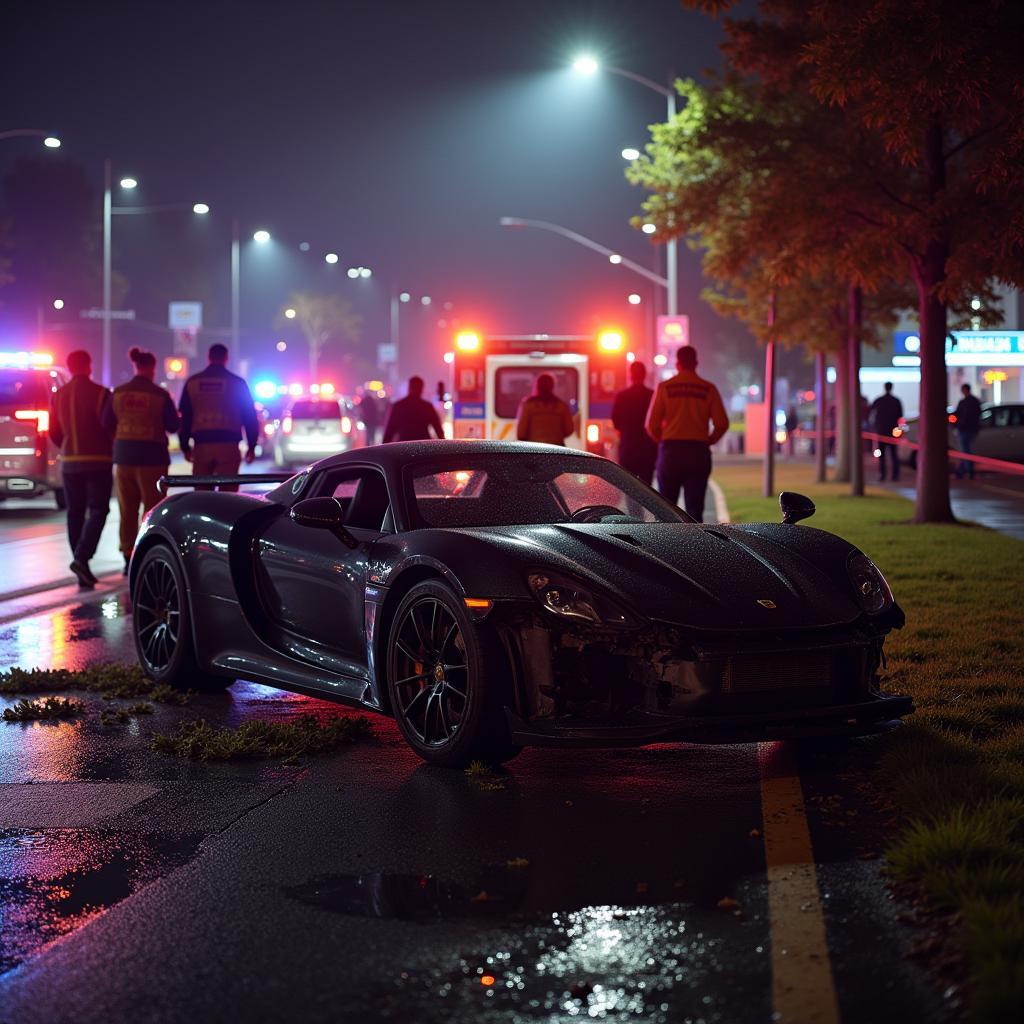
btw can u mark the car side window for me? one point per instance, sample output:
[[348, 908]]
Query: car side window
[[1001, 417], [364, 496], [1016, 415], [986, 419]]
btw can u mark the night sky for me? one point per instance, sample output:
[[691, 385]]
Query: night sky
[[394, 133]]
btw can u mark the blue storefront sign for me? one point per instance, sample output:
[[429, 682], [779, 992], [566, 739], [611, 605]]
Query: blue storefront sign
[[990, 346]]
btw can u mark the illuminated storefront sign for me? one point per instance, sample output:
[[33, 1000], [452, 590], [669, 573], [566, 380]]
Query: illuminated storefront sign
[[965, 348]]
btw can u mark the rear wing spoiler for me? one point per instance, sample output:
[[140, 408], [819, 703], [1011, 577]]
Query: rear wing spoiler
[[183, 480]]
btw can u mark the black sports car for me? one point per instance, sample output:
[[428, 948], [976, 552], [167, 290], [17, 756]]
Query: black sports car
[[489, 595]]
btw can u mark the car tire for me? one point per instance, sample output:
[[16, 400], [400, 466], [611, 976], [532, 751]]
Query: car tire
[[162, 625], [448, 680], [60, 498]]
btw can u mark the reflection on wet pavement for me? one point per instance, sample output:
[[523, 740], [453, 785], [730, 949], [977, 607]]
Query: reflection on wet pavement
[[53, 881]]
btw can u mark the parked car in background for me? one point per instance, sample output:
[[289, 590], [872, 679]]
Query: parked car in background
[[268, 430], [29, 464], [313, 428], [1000, 433]]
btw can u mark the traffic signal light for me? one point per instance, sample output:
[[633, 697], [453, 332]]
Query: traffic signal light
[[175, 367]]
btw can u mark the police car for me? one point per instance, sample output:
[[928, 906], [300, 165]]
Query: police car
[[29, 465]]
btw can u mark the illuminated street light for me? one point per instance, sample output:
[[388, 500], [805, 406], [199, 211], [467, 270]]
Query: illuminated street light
[[331, 257], [129, 183], [633, 299], [615, 258], [425, 300], [58, 303], [200, 208], [585, 64], [353, 272], [261, 236], [303, 246], [404, 297], [649, 228], [365, 272], [51, 142], [289, 313], [282, 346], [630, 153]]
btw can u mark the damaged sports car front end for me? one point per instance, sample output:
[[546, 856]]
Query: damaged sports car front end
[[624, 663]]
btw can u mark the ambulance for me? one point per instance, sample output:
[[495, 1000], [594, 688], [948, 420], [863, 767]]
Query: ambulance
[[491, 375]]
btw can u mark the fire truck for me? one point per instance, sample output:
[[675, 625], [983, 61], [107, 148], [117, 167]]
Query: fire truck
[[491, 375]]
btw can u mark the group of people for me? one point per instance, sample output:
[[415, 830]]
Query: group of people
[[116, 441], [666, 433]]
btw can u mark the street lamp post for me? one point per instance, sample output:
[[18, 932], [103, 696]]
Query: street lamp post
[[49, 141], [590, 66]]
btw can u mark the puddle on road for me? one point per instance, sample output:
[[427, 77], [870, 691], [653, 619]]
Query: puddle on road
[[498, 891], [53, 881]]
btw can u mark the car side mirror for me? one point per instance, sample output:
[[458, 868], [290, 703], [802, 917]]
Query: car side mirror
[[323, 514], [794, 507]]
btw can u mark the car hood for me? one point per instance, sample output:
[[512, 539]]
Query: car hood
[[762, 576]]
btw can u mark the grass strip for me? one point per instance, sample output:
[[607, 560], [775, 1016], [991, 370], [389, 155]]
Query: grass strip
[[110, 680], [201, 741], [956, 768], [47, 709]]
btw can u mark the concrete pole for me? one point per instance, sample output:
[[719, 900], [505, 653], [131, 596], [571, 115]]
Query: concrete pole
[[821, 401], [107, 203], [854, 320], [671, 246], [236, 285]]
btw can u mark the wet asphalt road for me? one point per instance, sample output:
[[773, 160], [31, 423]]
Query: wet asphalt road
[[363, 885]]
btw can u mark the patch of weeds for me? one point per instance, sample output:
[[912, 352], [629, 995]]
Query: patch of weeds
[[200, 741], [122, 716], [483, 776], [110, 680], [47, 709]]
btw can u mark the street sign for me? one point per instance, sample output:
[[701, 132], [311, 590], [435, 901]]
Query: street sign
[[113, 314], [387, 353], [185, 316], [673, 333]]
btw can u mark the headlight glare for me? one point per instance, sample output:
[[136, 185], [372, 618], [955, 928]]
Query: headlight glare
[[873, 592]]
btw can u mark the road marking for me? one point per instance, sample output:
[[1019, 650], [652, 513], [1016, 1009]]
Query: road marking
[[803, 990], [721, 508]]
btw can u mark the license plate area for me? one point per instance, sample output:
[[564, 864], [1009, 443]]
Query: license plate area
[[791, 670]]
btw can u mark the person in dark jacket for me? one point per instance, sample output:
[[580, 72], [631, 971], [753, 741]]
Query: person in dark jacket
[[637, 450], [140, 415], [216, 408], [968, 423], [76, 428], [884, 417], [413, 417]]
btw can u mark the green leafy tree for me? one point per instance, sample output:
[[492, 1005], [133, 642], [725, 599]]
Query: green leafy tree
[[931, 97], [326, 321]]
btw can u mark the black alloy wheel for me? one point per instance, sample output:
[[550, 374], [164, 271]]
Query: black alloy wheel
[[446, 681], [161, 622], [157, 615]]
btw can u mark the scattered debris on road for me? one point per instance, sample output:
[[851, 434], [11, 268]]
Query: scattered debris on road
[[43, 710]]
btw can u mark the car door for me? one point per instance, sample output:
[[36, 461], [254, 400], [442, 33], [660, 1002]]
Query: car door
[[312, 584]]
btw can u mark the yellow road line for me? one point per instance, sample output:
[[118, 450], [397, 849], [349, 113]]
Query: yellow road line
[[803, 991]]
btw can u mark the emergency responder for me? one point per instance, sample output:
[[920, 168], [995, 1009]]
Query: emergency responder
[[884, 417], [543, 416], [216, 408], [413, 417], [637, 452], [678, 421], [76, 427], [140, 415]]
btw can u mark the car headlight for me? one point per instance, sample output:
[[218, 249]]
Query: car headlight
[[873, 592], [570, 599]]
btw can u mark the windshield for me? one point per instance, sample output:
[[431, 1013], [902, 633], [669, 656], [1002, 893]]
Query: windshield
[[24, 387], [514, 383], [519, 490]]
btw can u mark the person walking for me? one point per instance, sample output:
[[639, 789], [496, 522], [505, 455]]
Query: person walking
[[412, 418], [543, 416], [884, 417], [216, 409], [76, 428], [968, 423], [369, 412], [139, 415], [637, 452], [678, 420]]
